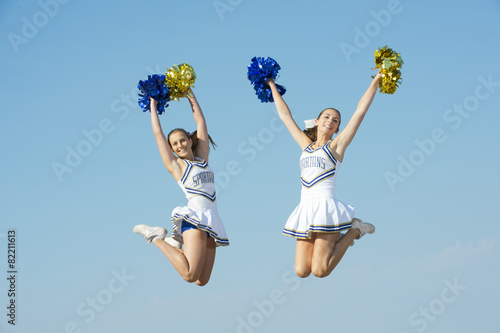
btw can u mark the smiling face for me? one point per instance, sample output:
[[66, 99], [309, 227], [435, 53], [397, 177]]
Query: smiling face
[[328, 122], [181, 144]]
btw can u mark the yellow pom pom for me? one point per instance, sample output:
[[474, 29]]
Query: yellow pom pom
[[179, 79], [390, 64]]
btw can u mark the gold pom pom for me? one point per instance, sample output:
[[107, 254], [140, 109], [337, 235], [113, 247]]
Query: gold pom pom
[[179, 79], [389, 63]]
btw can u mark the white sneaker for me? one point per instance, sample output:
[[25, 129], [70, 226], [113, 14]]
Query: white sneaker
[[150, 233], [342, 235], [364, 228], [170, 240]]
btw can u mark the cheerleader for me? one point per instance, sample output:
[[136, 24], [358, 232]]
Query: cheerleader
[[197, 228], [318, 221]]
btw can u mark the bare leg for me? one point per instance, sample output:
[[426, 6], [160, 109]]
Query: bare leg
[[303, 256], [328, 252], [191, 261], [206, 272]]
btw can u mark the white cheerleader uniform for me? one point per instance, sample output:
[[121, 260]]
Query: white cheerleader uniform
[[197, 182], [318, 210]]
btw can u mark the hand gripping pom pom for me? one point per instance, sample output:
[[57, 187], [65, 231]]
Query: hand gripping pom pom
[[259, 70], [390, 63], [179, 79], [265, 94], [155, 88]]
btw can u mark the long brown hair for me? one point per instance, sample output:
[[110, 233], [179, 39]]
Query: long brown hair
[[192, 135], [312, 132]]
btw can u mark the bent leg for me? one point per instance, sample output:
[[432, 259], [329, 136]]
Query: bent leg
[[303, 256], [189, 262], [328, 251]]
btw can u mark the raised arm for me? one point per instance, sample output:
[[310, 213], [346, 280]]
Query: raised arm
[[168, 157], [203, 147], [286, 117], [345, 137]]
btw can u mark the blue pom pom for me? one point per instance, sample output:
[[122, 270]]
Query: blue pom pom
[[153, 87], [265, 94], [259, 70]]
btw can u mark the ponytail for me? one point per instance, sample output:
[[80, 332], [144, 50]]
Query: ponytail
[[194, 137], [312, 133]]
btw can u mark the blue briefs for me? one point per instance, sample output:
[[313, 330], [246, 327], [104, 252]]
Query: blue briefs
[[187, 226]]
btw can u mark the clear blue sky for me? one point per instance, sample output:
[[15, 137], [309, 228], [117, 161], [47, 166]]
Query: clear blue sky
[[422, 167]]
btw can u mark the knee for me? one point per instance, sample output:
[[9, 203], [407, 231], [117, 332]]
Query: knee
[[302, 271], [201, 283], [320, 272], [190, 278]]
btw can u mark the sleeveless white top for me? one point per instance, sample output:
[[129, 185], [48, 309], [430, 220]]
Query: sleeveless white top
[[318, 210], [197, 183]]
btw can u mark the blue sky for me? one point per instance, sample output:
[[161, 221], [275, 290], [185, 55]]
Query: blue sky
[[421, 167]]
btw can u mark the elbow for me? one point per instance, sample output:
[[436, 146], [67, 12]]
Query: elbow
[[285, 116], [159, 134]]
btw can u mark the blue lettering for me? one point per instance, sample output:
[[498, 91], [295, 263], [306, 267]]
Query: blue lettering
[[203, 177], [312, 162]]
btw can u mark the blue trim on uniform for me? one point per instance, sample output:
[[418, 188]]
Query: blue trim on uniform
[[191, 190], [319, 178], [323, 176], [185, 217], [202, 165], [196, 223], [190, 167], [325, 148], [186, 172], [313, 228], [328, 152], [309, 150]]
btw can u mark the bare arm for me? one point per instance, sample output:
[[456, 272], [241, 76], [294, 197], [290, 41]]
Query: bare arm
[[203, 147], [286, 116], [168, 157], [340, 144]]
